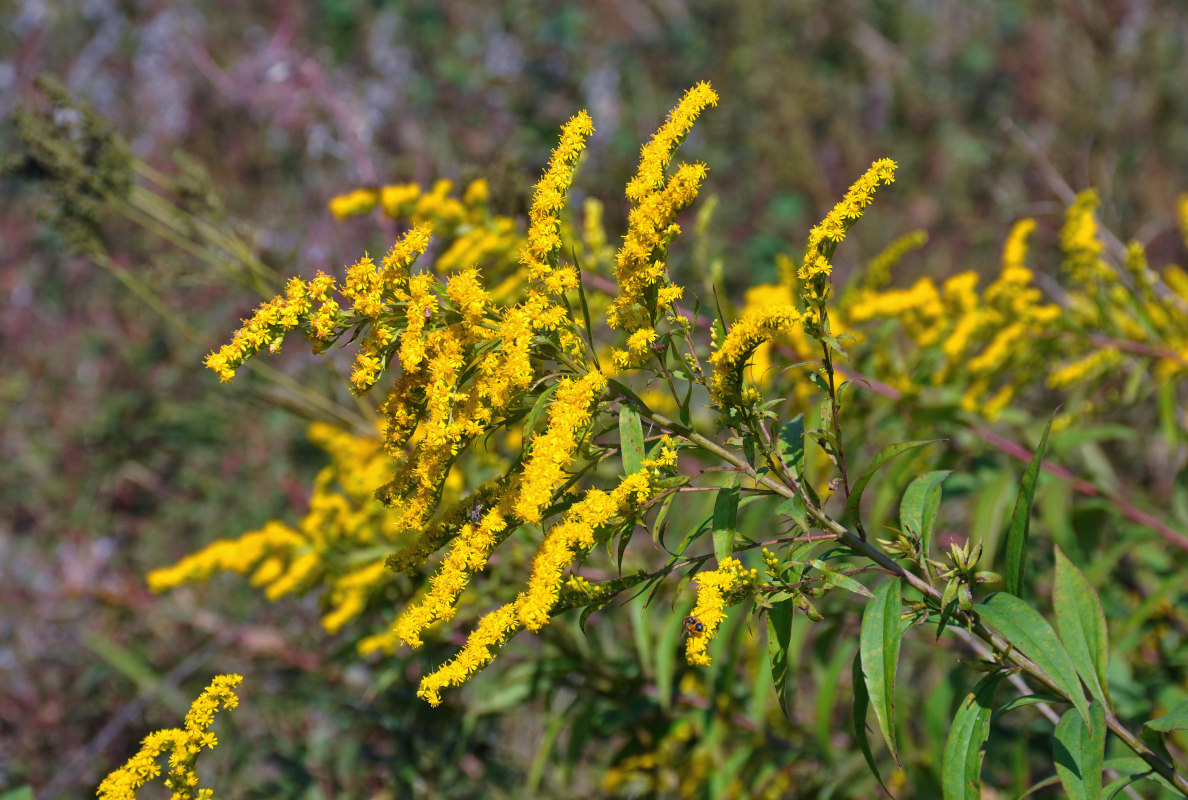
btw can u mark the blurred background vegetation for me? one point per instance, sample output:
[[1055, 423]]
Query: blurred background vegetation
[[118, 453]]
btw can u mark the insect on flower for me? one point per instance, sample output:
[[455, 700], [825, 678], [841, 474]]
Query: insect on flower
[[694, 626], [476, 512]]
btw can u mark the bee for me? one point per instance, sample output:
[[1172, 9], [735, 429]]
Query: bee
[[476, 512], [694, 626], [428, 314]]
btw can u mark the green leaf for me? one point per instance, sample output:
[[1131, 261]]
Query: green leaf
[[886, 454], [1016, 542], [1082, 626], [586, 318], [661, 517], [533, 418], [919, 506], [828, 683], [1030, 634], [879, 641], [779, 634], [1078, 751], [1174, 720], [1132, 769], [795, 508], [791, 444], [961, 766], [725, 519], [1025, 700], [861, 704], [667, 645], [631, 439], [834, 578], [545, 749]]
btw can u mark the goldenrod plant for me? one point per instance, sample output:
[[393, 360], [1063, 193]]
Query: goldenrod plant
[[539, 397]]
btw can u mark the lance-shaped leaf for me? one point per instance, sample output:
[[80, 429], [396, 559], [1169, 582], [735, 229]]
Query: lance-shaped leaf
[[1017, 534], [725, 519], [961, 766], [879, 641], [1174, 720], [1082, 626], [861, 704], [886, 454], [1031, 635], [919, 506], [779, 636], [1078, 751], [631, 440], [791, 445]]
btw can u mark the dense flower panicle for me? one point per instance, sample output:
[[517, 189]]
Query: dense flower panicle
[[183, 744], [354, 204], [715, 590], [532, 606], [755, 326], [324, 318], [467, 555], [490, 634], [398, 200], [823, 238], [400, 258], [569, 417], [448, 524], [1080, 242], [650, 227], [240, 555], [639, 349], [539, 254], [437, 205], [265, 330], [370, 290], [878, 271], [576, 534], [343, 514], [372, 357], [1084, 368], [466, 291], [598, 251], [364, 288], [657, 153]]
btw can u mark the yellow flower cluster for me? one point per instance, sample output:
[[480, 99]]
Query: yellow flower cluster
[[343, 518], [467, 556], [986, 341], [373, 293], [757, 325], [715, 590], [575, 533], [878, 271], [354, 204], [1080, 242], [640, 270], [264, 331], [1084, 368], [993, 344], [823, 238], [539, 253], [552, 452], [469, 232], [183, 745]]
